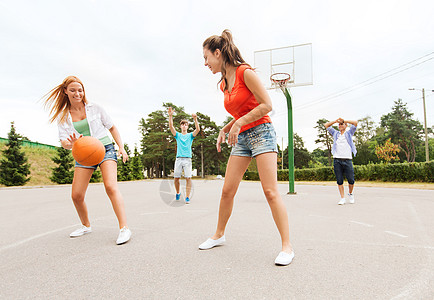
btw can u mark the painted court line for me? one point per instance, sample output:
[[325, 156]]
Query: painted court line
[[319, 216], [155, 213], [363, 224], [395, 233], [36, 237], [47, 233]]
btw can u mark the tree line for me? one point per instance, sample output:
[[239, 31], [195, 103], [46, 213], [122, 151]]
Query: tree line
[[397, 138]]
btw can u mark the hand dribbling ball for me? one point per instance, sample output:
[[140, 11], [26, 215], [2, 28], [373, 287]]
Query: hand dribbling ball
[[88, 151]]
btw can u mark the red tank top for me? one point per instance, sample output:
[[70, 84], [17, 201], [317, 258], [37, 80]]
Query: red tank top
[[240, 100]]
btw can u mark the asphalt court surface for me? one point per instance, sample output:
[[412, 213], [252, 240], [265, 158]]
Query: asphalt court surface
[[381, 247]]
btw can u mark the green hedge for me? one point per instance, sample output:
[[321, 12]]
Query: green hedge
[[398, 172]]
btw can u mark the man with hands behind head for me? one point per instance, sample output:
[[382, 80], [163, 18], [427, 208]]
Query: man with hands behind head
[[342, 150]]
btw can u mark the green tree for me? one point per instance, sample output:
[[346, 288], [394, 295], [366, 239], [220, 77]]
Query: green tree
[[319, 158], [302, 157], [136, 165], [14, 169], [364, 142], [158, 145], [205, 145], [324, 138], [63, 173], [156, 148], [402, 130], [125, 169], [420, 151]]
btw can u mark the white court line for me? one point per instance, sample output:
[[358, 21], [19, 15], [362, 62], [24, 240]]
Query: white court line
[[425, 247], [35, 237], [163, 192], [395, 233], [318, 216], [155, 213], [47, 233], [363, 224], [196, 210]]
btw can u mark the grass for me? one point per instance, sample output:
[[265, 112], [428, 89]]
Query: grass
[[40, 164]]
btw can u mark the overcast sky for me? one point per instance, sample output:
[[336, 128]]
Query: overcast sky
[[134, 55]]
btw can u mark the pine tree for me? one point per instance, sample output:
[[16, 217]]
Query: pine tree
[[14, 169], [136, 165], [63, 173], [402, 129], [124, 169], [324, 137]]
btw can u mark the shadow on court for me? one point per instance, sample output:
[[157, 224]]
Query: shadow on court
[[381, 247]]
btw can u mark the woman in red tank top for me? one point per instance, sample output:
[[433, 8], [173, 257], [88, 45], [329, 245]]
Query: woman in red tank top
[[250, 134]]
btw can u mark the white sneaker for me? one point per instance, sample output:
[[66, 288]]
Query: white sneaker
[[284, 259], [124, 236], [342, 201], [81, 231], [351, 198], [210, 243]]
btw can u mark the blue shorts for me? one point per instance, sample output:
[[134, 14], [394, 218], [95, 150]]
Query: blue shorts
[[256, 140], [341, 167], [110, 154]]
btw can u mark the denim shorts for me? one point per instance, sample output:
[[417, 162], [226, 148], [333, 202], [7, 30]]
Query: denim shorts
[[110, 154], [341, 167], [256, 140]]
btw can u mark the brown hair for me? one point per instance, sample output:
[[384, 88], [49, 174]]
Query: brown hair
[[184, 121], [231, 54], [59, 101]]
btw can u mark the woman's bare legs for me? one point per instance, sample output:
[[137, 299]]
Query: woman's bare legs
[[110, 179], [79, 187], [267, 169], [235, 169]]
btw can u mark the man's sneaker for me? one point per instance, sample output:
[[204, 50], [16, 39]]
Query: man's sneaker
[[178, 196], [187, 200], [342, 201], [351, 198], [81, 231], [124, 236]]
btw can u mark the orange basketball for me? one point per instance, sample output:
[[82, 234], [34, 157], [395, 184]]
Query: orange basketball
[[88, 151]]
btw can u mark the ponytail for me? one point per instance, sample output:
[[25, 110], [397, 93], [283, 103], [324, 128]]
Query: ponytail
[[231, 54]]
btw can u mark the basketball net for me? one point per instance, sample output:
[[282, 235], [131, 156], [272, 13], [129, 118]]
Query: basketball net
[[280, 80]]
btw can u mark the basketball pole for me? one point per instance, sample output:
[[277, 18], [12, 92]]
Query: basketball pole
[[291, 176]]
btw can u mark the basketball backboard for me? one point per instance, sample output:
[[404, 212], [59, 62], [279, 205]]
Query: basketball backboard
[[295, 60]]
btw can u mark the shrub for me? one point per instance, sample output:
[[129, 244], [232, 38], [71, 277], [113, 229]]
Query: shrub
[[399, 172]]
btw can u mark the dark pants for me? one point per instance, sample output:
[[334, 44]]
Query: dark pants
[[341, 167]]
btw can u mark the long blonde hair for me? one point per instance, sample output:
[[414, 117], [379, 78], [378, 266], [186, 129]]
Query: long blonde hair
[[230, 53], [58, 100]]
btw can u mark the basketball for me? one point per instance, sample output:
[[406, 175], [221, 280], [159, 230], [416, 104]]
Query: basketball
[[88, 151]]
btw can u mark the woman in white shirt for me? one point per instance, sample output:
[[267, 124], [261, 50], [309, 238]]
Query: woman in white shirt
[[76, 117]]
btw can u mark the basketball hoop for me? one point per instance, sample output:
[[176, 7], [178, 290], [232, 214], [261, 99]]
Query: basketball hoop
[[280, 80]]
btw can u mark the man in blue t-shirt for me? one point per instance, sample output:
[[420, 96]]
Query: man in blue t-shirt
[[184, 141], [342, 151]]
